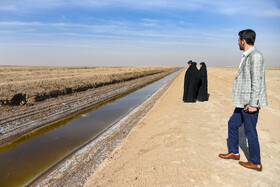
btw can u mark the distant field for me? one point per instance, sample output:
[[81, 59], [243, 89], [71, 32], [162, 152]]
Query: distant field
[[27, 84]]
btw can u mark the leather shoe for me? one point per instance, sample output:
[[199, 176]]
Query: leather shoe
[[230, 156], [251, 165]]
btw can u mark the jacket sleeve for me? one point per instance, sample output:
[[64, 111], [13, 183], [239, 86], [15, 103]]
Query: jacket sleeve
[[256, 69]]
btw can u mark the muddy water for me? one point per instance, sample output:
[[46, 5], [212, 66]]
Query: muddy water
[[25, 158]]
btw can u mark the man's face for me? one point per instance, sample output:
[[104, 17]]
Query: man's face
[[241, 44]]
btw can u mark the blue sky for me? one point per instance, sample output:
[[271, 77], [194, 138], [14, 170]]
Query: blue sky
[[130, 32]]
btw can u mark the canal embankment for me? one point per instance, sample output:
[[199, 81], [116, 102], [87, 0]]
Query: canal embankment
[[15, 121], [77, 167], [44, 149]]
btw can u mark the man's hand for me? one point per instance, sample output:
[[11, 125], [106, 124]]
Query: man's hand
[[250, 109]]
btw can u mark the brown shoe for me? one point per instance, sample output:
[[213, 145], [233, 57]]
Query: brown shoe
[[230, 156], [250, 165]]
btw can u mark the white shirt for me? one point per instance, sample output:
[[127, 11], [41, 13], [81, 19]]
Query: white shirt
[[245, 54]]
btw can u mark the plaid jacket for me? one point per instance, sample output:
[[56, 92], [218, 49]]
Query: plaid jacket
[[249, 84]]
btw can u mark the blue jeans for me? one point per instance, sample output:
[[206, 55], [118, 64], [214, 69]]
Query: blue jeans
[[239, 117]]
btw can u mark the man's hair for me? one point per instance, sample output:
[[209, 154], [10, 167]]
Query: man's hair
[[190, 62], [248, 35]]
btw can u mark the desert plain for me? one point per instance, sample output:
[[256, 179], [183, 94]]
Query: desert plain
[[177, 144]]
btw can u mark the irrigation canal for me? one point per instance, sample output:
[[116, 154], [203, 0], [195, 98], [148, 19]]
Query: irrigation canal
[[24, 159]]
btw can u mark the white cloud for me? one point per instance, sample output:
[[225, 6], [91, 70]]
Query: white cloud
[[150, 22], [252, 8], [7, 8], [230, 7], [153, 30], [17, 23]]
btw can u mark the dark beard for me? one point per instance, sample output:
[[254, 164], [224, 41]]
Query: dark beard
[[241, 47]]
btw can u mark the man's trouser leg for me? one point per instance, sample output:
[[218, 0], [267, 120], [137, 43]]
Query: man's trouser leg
[[250, 123], [234, 123]]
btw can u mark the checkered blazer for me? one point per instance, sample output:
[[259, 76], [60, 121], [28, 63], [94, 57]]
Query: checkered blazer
[[249, 84]]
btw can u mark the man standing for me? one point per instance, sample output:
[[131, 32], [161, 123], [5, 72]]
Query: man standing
[[248, 95]]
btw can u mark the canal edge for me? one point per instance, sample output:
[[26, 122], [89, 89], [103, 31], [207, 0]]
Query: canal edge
[[76, 167]]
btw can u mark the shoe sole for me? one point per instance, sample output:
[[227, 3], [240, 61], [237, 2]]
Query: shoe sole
[[252, 168], [235, 158], [230, 158]]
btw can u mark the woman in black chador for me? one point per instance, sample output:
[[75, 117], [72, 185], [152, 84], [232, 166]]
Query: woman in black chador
[[202, 94], [191, 83]]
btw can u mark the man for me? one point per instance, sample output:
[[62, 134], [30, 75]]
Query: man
[[190, 83], [248, 95]]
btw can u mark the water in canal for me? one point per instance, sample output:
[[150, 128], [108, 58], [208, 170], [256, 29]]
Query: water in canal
[[25, 158]]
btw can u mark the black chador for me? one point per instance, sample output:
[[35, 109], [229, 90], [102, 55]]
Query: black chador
[[202, 94], [191, 83]]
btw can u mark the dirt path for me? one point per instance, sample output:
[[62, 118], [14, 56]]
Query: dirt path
[[177, 144]]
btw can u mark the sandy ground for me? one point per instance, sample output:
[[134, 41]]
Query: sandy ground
[[177, 144]]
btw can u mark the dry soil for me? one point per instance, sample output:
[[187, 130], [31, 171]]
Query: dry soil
[[177, 144]]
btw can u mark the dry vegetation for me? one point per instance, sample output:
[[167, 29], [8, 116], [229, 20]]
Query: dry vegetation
[[28, 84]]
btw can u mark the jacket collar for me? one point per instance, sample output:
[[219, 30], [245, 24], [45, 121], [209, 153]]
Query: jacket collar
[[249, 51], [246, 53]]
